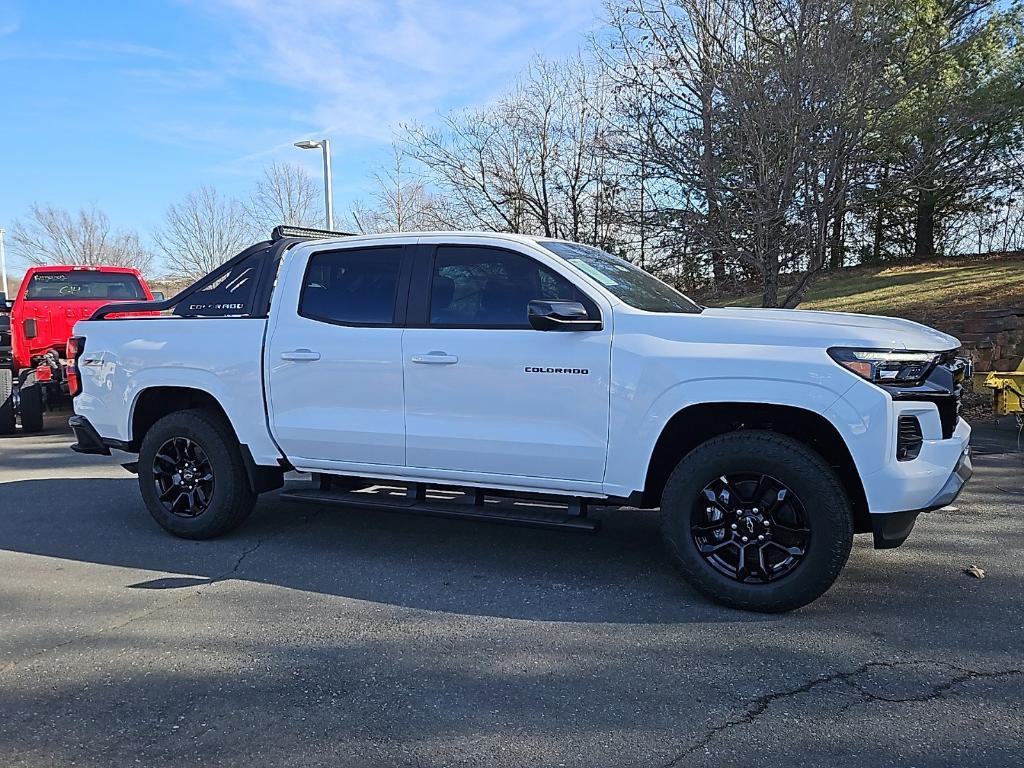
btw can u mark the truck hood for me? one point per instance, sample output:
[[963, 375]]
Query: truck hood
[[802, 327]]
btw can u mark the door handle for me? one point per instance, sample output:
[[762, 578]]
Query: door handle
[[300, 354], [436, 358]]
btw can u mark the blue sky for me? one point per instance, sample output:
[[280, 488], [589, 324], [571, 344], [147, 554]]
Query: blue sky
[[131, 105]]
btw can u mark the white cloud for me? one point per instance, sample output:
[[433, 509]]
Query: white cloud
[[121, 49], [367, 65], [10, 21]]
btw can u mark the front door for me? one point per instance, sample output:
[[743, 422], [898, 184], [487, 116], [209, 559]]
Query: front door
[[485, 393], [335, 359]]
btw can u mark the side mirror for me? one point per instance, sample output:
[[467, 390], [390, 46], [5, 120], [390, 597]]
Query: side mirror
[[560, 316], [158, 295]]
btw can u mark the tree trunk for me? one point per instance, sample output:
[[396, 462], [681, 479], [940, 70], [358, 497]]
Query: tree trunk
[[878, 230], [718, 268], [770, 276], [924, 226], [711, 185], [770, 293], [837, 258]]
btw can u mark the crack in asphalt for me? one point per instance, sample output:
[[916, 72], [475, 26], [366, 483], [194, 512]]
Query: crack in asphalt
[[761, 704], [196, 591], [238, 563], [938, 690]]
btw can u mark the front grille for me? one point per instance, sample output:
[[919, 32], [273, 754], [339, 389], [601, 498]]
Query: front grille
[[949, 406], [943, 386], [908, 438]]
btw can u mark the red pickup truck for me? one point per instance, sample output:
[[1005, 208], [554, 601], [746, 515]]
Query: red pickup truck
[[33, 357]]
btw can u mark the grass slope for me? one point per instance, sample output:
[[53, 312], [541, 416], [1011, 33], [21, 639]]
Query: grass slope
[[931, 292]]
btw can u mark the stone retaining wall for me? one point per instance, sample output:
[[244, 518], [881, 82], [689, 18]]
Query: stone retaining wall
[[993, 338]]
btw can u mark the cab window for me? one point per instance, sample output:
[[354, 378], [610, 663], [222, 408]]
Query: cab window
[[474, 287], [352, 287]]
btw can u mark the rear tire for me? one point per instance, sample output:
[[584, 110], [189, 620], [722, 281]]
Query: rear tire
[[192, 475], [758, 521], [31, 395], [6, 401]]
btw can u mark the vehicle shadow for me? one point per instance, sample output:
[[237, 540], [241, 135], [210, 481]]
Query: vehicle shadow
[[621, 575], [55, 422]]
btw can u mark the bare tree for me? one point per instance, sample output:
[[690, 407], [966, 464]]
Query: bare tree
[[666, 62], [285, 194], [202, 232], [401, 201], [755, 113], [531, 162], [54, 236]]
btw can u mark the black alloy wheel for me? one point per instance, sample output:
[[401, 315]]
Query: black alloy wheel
[[757, 520], [184, 477], [750, 527], [193, 476]]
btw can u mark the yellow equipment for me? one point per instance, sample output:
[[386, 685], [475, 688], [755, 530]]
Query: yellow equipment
[[1007, 391]]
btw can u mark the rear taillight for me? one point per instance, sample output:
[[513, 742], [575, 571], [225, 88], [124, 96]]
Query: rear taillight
[[75, 348]]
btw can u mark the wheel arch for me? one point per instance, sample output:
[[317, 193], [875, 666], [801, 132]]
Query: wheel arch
[[695, 424], [153, 403]]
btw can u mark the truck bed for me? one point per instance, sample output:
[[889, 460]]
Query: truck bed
[[123, 357]]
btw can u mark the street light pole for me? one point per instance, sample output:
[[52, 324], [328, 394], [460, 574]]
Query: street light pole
[[325, 145], [328, 191]]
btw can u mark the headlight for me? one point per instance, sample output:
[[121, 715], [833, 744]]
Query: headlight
[[883, 366]]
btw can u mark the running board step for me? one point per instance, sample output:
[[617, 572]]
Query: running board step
[[472, 504]]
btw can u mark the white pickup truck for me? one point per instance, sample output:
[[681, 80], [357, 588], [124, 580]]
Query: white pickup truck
[[526, 379]]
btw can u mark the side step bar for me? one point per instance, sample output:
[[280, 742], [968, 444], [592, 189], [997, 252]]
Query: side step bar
[[467, 504]]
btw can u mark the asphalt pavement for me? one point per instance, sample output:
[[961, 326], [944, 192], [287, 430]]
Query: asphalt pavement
[[332, 637]]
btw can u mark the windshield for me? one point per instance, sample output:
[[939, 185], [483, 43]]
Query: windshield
[[82, 285], [635, 287]]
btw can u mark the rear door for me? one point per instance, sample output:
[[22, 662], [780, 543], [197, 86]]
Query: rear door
[[485, 393], [334, 357]]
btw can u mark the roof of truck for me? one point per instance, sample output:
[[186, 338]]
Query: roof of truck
[[79, 268], [527, 239]]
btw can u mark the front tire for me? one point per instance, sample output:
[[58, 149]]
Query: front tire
[[758, 521], [192, 475]]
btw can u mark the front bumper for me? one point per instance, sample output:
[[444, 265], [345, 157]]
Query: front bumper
[[901, 485], [892, 529]]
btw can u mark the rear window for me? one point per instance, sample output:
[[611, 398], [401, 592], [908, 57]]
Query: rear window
[[84, 286], [357, 286]]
